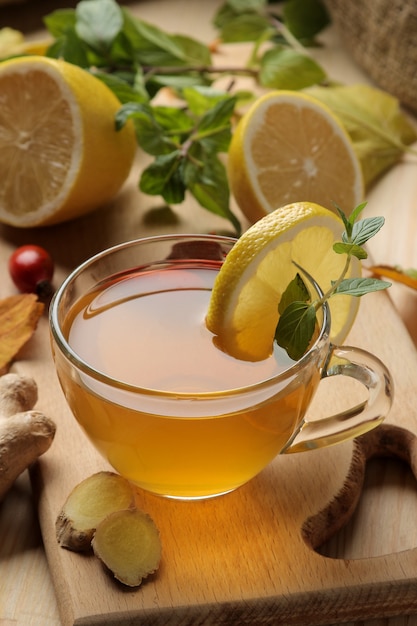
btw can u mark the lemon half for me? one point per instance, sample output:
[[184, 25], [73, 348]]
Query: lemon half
[[288, 147], [60, 153], [243, 309]]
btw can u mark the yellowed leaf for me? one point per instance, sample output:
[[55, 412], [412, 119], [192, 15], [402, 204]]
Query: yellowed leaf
[[19, 316], [380, 131]]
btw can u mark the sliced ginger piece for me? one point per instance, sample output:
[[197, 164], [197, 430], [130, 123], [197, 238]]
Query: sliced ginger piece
[[88, 504], [128, 544]]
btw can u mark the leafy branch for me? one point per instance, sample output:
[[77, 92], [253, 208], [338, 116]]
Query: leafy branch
[[298, 313], [137, 60], [189, 140]]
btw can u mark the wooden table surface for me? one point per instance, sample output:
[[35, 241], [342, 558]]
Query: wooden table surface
[[27, 595]]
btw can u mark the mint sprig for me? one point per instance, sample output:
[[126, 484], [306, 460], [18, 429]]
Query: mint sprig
[[298, 313]]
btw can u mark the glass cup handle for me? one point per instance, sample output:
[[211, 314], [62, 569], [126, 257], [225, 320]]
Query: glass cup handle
[[372, 373]]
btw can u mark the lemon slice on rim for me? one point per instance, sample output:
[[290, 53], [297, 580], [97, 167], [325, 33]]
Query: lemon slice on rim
[[243, 309], [288, 147], [60, 153]]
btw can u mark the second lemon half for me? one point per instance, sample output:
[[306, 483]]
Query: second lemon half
[[288, 147]]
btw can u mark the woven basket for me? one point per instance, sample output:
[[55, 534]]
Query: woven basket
[[381, 36]]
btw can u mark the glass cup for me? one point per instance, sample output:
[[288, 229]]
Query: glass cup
[[168, 409]]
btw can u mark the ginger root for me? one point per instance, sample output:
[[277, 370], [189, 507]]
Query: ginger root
[[23, 438], [101, 513], [17, 394], [25, 434], [87, 505], [127, 542]]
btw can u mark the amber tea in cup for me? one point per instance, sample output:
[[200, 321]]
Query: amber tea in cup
[[168, 409]]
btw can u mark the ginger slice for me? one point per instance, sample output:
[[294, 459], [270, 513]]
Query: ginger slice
[[128, 544], [88, 504]]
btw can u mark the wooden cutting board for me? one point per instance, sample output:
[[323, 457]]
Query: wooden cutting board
[[248, 557]]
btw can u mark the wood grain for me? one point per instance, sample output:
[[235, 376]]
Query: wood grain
[[248, 556]]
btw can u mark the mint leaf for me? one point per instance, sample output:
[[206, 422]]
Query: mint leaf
[[218, 116], [358, 287], [60, 21], [365, 229], [201, 99], [243, 28], [350, 249], [296, 291], [283, 68], [295, 328], [125, 92], [98, 22], [305, 18], [207, 181], [297, 321], [356, 212], [163, 178], [71, 48]]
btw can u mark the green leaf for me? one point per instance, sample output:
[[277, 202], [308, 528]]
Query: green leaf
[[174, 120], [241, 6], [349, 221], [228, 11], [193, 52], [358, 287], [207, 181], [177, 82], [122, 89], [154, 47], [365, 229], [245, 27], [350, 248], [201, 99], [69, 47], [98, 22], [59, 21], [346, 221], [296, 328], [214, 126], [151, 133], [305, 18], [295, 291], [356, 212], [163, 178], [283, 68]]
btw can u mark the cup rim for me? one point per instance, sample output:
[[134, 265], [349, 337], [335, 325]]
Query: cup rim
[[83, 366]]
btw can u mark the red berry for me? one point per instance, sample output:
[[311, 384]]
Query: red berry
[[31, 269]]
